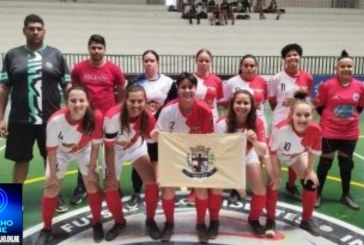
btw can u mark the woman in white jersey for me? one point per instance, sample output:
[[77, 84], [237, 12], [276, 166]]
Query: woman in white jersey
[[159, 89], [73, 133], [281, 89], [242, 117], [296, 141], [127, 127]]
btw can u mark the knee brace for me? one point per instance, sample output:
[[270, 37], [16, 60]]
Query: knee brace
[[309, 186], [346, 164]]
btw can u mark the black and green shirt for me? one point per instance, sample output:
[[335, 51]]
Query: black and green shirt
[[34, 78]]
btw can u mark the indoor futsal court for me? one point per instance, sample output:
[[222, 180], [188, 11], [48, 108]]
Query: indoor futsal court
[[323, 28]]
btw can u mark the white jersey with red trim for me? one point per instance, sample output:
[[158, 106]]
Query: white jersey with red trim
[[209, 89], [66, 136], [287, 144], [257, 87], [198, 121], [125, 140], [221, 128], [282, 87]]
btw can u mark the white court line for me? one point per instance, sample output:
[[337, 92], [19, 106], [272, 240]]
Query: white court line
[[2, 148], [359, 156]]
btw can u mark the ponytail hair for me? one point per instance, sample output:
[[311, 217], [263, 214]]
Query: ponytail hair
[[124, 115], [88, 122], [300, 97], [344, 54]]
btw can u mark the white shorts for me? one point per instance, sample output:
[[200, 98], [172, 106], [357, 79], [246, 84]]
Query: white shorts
[[292, 160], [252, 157], [128, 155], [82, 157]]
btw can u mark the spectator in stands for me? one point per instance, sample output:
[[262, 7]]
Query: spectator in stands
[[216, 16], [247, 5], [211, 6], [272, 8], [105, 83], [339, 102], [229, 15], [159, 89], [31, 106], [193, 14], [224, 7]]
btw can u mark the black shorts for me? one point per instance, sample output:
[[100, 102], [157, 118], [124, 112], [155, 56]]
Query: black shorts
[[332, 145], [20, 141], [153, 151]]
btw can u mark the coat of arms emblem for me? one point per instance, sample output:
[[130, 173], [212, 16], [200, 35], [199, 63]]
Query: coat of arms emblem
[[200, 161]]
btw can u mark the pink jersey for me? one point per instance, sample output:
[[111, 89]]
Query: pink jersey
[[100, 82], [340, 117], [209, 89], [198, 121], [221, 128], [282, 87], [257, 87], [67, 136], [287, 143], [124, 140]]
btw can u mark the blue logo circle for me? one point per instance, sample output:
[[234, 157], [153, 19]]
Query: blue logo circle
[[3, 200]]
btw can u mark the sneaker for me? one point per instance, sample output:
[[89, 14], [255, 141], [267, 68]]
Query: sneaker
[[115, 231], [292, 191], [78, 194], [98, 232], [213, 229], [134, 201], [202, 235], [318, 201], [256, 227], [167, 232], [310, 227], [152, 229], [61, 205], [234, 197], [44, 238], [191, 199], [350, 202], [270, 228]]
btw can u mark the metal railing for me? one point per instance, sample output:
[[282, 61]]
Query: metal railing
[[222, 65]]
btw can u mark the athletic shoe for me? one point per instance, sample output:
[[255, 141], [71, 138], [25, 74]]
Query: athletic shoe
[[234, 197], [310, 227], [61, 205], [134, 201], [213, 229], [98, 232], [45, 237], [270, 228], [292, 191], [115, 231], [78, 194], [318, 201], [350, 202], [256, 227], [202, 235], [191, 198], [152, 229], [167, 232]]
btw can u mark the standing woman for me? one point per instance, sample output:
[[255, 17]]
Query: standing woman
[[209, 86], [126, 129], [159, 89], [247, 79], [242, 117], [191, 116], [73, 133], [339, 102], [281, 89], [297, 142]]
